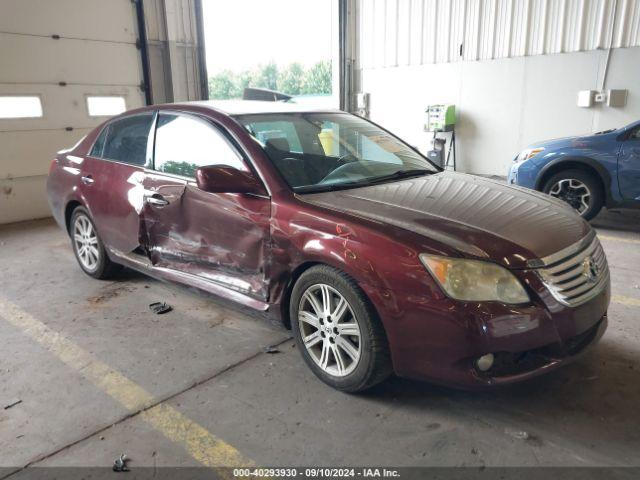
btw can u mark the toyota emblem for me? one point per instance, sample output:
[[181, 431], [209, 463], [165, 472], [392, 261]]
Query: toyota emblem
[[590, 269]]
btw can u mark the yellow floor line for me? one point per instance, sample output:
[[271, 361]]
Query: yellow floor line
[[201, 444], [618, 239], [629, 301]]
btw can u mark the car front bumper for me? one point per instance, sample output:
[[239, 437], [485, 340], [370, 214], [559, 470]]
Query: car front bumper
[[439, 341]]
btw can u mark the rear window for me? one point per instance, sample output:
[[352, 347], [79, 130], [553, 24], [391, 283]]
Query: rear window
[[125, 140]]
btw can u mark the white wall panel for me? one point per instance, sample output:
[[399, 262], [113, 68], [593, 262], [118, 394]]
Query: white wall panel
[[413, 32], [98, 20], [506, 104], [62, 51], [30, 59]]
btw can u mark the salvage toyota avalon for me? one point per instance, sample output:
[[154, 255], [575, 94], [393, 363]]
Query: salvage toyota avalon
[[376, 259]]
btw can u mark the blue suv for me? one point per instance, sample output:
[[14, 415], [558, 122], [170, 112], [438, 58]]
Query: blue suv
[[587, 172]]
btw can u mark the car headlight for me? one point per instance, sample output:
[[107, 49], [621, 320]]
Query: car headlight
[[527, 154], [475, 280]]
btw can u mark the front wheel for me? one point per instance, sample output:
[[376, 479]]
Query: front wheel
[[579, 189], [88, 248], [337, 330]]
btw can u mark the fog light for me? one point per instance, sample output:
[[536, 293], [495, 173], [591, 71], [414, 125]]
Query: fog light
[[485, 362]]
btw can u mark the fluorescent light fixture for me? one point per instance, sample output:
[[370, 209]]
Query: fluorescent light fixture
[[16, 106], [105, 106]]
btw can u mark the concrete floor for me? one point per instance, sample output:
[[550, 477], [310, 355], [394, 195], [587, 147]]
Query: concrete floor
[[210, 393]]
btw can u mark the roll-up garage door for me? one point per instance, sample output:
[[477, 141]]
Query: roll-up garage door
[[65, 65]]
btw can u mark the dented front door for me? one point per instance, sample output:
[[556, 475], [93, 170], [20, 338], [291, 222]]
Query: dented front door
[[220, 237]]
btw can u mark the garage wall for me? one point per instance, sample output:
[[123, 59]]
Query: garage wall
[[64, 50], [415, 32], [61, 51], [510, 86]]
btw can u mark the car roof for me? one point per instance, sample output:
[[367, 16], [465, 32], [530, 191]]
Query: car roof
[[247, 107]]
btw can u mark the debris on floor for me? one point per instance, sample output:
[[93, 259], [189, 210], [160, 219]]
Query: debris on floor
[[271, 349], [520, 435], [120, 465], [160, 307], [12, 404]]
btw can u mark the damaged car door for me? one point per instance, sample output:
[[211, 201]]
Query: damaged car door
[[220, 237], [111, 180]]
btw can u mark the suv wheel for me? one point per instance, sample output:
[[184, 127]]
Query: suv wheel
[[337, 331], [88, 248], [579, 189]]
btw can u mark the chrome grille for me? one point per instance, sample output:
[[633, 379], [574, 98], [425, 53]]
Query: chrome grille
[[575, 274]]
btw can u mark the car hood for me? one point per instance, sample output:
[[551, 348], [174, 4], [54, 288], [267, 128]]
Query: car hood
[[475, 216], [577, 141]]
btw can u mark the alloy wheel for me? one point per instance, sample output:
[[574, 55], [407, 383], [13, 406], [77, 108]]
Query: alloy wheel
[[329, 329], [574, 192], [86, 243]]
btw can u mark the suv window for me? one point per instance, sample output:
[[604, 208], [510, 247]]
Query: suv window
[[184, 143], [126, 140]]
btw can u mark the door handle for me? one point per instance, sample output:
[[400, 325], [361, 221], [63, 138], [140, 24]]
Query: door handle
[[153, 198], [87, 180]]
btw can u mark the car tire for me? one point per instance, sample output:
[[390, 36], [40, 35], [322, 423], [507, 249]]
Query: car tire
[[88, 248], [335, 338], [567, 185]]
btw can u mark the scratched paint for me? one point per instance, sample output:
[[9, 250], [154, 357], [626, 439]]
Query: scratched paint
[[220, 237]]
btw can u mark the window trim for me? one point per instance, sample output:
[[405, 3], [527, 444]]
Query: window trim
[[108, 124]]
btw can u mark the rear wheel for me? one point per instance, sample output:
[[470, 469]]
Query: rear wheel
[[579, 189], [88, 248], [337, 331]]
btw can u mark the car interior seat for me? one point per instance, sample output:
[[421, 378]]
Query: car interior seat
[[293, 169]]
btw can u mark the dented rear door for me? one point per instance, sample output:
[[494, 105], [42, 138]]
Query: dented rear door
[[111, 181]]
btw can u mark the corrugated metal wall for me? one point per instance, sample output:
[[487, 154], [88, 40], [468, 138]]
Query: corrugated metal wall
[[173, 42], [414, 32]]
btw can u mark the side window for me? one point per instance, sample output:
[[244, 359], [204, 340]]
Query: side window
[[635, 135], [126, 140], [184, 143]]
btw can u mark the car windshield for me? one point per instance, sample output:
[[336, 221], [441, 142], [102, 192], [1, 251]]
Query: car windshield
[[330, 151]]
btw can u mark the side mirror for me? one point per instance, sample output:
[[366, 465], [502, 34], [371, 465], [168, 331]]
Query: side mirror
[[225, 179]]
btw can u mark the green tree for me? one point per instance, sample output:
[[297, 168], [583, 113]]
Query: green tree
[[265, 76], [293, 79], [290, 79], [222, 85], [317, 79]]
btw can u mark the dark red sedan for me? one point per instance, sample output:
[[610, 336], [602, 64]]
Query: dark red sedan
[[377, 260]]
